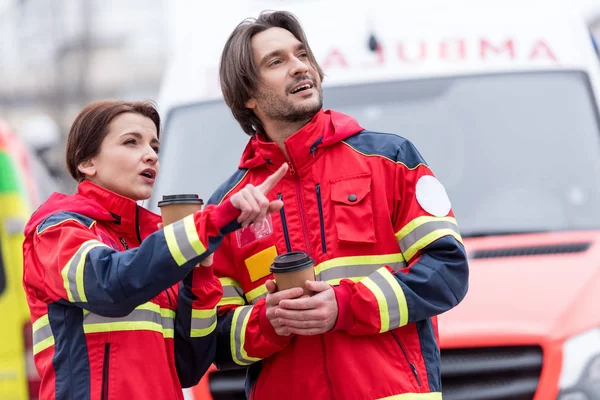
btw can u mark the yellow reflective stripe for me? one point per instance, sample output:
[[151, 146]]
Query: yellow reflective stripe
[[43, 345], [239, 322], [232, 293], [72, 273], [229, 282], [255, 293], [393, 309], [192, 234], [415, 223], [381, 302], [414, 396], [148, 316], [172, 245], [400, 297], [168, 327], [183, 241], [234, 301], [424, 230], [358, 260], [356, 267], [42, 334], [40, 322], [203, 322], [428, 239], [123, 326]]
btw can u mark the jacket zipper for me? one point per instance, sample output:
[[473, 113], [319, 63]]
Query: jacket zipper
[[321, 220], [412, 366], [301, 209], [286, 234], [104, 391], [137, 223], [327, 378]]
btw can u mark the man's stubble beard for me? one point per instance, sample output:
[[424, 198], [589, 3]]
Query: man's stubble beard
[[286, 111]]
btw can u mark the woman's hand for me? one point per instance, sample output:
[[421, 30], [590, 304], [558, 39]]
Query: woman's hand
[[253, 203]]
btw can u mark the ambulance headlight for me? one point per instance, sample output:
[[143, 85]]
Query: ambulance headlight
[[580, 374]]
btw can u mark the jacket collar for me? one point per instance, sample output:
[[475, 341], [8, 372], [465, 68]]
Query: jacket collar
[[305, 145], [127, 217]]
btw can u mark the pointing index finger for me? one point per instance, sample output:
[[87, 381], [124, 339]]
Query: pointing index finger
[[273, 179]]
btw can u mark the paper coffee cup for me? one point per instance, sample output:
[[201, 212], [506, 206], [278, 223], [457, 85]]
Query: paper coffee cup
[[178, 206], [292, 270]]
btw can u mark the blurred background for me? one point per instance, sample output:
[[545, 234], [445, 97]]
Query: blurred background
[[59, 55], [501, 97]]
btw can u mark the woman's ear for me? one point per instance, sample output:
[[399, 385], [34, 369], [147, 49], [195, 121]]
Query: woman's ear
[[88, 168]]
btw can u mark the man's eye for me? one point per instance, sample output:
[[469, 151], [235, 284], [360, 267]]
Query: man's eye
[[303, 55], [275, 62]]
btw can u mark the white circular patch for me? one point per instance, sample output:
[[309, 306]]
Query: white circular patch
[[432, 196]]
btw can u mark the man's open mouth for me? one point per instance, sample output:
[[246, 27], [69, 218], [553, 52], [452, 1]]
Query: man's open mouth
[[301, 87]]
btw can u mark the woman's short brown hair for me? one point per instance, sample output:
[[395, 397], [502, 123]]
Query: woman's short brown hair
[[238, 72], [91, 127]]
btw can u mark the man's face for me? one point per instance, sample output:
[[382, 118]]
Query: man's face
[[290, 87]]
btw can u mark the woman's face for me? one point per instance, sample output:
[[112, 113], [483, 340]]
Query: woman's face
[[127, 163]]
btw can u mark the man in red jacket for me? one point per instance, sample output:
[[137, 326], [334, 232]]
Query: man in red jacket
[[364, 205]]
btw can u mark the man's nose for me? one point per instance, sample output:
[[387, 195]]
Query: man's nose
[[299, 67]]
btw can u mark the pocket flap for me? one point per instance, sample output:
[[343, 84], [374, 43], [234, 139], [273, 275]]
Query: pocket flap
[[351, 190]]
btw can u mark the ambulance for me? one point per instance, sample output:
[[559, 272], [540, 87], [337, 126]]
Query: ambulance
[[501, 98], [24, 183]]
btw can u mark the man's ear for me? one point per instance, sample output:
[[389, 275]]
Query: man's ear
[[87, 167], [250, 103]]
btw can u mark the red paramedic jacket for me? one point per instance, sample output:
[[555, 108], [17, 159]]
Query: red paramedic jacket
[[111, 317], [380, 228]]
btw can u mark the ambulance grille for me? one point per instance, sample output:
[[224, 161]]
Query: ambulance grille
[[507, 373], [531, 250]]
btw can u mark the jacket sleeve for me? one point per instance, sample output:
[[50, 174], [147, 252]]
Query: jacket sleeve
[[434, 277], [78, 268], [244, 333], [195, 323]]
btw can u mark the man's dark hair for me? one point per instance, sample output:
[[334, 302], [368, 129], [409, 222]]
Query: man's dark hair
[[239, 73]]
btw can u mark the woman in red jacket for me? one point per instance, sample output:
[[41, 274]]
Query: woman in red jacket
[[120, 309]]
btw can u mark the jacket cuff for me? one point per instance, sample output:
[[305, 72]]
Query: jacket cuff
[[226, 213], [267, 329], [343, 297]]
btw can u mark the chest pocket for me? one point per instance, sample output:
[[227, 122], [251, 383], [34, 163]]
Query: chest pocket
[[353, 209]]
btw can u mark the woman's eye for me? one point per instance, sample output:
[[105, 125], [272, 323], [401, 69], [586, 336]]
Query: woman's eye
[[156, 150], [129, 141]]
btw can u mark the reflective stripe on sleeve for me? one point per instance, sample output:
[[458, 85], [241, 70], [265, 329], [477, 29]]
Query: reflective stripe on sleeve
[[204, 322], [72, 273], [232, 293], [183, 240], [241, 315], [393, 310], [422, 231]]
